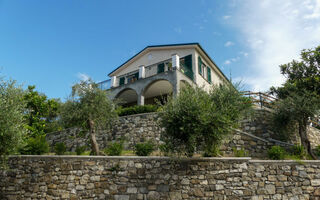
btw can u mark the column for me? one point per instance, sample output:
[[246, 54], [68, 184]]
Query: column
[[142, 71], [113, 81], [175, 61], [140, 100]]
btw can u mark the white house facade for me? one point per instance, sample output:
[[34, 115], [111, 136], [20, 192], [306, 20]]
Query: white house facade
[[158, 71]]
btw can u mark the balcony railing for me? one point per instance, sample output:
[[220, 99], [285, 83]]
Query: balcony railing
[[158, 68], [105, 85]]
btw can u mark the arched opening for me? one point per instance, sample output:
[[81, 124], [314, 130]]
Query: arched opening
[[157, 91], [127, 97]]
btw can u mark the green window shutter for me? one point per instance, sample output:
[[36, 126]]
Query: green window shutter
[[199, 65], [137, 75], [122, 81], [209, 74], [161, 68], [188, 62], [188, 66]]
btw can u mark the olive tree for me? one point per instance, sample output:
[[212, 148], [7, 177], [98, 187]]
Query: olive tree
[[299, 96], [12, 122], [89, 108], [196, 120]]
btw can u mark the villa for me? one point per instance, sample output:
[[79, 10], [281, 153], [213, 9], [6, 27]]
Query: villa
[[157, 71]]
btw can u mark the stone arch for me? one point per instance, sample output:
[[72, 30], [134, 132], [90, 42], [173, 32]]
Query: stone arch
[[157, 90], [127, 97]]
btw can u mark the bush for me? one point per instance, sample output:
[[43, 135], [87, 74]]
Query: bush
[[276, 153], [35, 146], [60, 148], [136, 109], [318, 150], [144, 149], [240, 153], [196, 120], [164, 149], [114, 149], [80, 150], [298, 150]]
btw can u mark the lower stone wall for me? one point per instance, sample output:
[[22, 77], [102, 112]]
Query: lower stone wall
[[130, 178]]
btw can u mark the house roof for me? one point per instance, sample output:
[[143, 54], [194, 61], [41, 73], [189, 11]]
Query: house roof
[[167, 45]]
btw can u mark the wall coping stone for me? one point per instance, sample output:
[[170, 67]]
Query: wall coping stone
[[285, 161], [130, 158], [166, 158], [139, 114]]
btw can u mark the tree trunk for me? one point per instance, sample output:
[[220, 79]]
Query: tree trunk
[[304, 138], [94, 144]]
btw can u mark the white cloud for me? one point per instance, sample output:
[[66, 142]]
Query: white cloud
[[245, 54], [83, 77], [228, 44], [226, 17], [227, 62], [275, 32]]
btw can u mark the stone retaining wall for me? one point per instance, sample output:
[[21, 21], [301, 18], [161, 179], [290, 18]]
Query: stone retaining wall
[[133, 128], [130, 178], [143, 127]]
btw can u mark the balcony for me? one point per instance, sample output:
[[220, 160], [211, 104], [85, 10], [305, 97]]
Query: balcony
[[184, 65]]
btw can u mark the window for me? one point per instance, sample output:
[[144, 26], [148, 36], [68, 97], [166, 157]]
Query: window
[[133, 77], [209, 74], [121, 81], [161, 68], [200, 65]]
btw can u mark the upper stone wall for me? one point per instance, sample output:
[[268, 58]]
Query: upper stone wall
[[143, 127]]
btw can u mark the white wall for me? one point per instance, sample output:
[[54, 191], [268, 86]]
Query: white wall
[[216, 78], [156, 56]]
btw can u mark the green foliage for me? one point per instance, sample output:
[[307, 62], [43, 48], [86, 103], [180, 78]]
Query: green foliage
[[299, 151], [144, 149], [276, 153], [11, 118], [136, 109], [240, 153], [41, 113], [114, 149], [35, 146], [90, 109], [299, 96], [318, 150], [164, 149], [80, 150], [197, 120], [60, 148]]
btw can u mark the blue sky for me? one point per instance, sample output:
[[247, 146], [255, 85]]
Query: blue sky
[[53, 44]]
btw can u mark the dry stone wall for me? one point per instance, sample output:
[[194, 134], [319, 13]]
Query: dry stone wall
[[131, 178], [255, 137], [133, 128]]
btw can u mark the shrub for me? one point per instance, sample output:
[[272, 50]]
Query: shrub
[[318, 150], [114, 149], [80, 150], [136, 109], [298, 150], [276, 153], [35, 146], [198, 121], [144, 149], [240, 153], [164, 149], [60, 148]]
